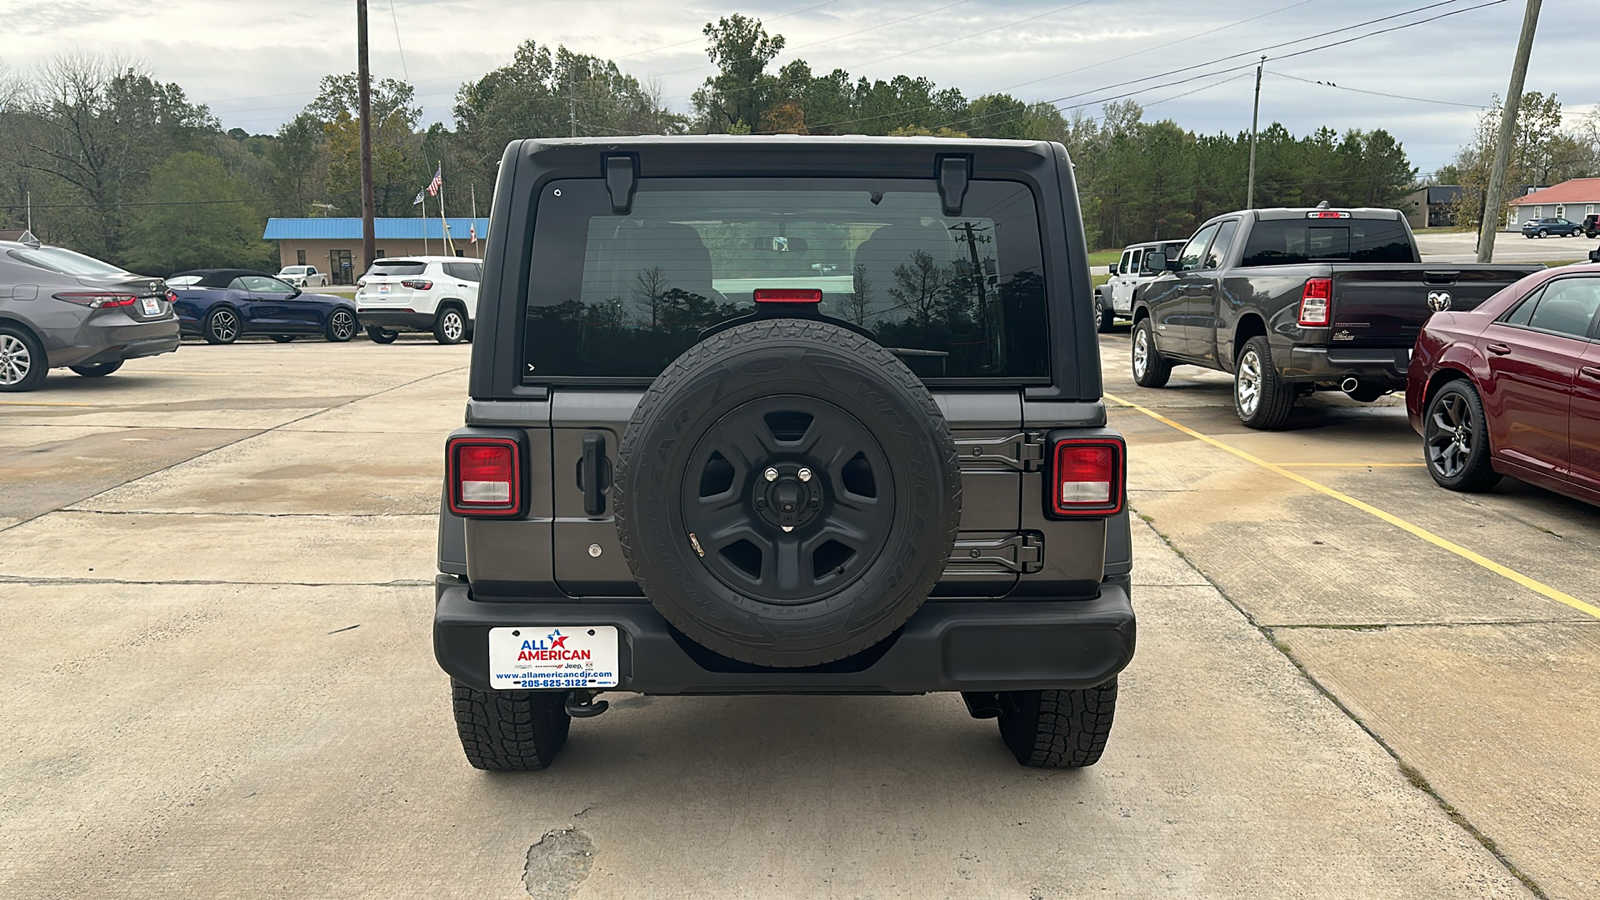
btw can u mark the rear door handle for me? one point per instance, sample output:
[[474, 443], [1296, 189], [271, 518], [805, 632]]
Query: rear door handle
[[594, 474], [1591, 372], [1499, 349]]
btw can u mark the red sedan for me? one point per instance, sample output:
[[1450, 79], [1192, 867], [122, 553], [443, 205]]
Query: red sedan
[[1513, 387]]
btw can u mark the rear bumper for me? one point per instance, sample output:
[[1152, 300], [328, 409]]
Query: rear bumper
[[395, 319], [107, 339], [1379, 365], [993, 645]]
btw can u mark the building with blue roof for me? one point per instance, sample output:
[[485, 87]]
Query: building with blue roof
[[334, 245]]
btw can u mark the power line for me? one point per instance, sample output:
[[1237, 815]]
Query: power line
[[1377, 93]]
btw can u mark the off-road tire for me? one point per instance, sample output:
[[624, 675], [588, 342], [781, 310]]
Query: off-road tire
[[221, 326], [381, 335], [98, 370], [1152, 370], [451, 326], [23, 364], [1274, 398], [1455, 404], [341, 327], [1058, 729], [1108, 318], [819, 615], [507, 731]]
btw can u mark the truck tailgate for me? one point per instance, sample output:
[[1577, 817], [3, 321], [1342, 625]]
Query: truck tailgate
[[1385, 306]]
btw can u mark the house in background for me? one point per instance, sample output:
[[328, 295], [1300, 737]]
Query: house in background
[[1433, 206], [334, 245], [1570, 200]]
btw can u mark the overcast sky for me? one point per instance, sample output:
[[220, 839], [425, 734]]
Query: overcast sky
[[257, 64]]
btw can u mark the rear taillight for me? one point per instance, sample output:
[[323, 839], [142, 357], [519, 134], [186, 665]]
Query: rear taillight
[[362, 283], [418, 284], [172, 296], [485, 476], [97, 299], [1315, 300], [1088, 477]]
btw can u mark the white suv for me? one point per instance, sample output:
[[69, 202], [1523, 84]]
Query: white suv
[[1116, 295], [303, 276], [420, 293]]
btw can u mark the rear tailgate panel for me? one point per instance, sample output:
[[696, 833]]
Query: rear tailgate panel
[[1386, 306]]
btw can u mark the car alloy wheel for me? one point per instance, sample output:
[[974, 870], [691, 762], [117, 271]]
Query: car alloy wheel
[[1450, 435], [451, 327], [15, 360], [1141, 352], [223, 326], [341, 325], [1247, 386]]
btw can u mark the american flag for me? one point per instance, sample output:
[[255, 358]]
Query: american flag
[[472, 233], [438, 180]]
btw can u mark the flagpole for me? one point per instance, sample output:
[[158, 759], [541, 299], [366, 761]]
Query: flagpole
[[424, 222], [444, 220]]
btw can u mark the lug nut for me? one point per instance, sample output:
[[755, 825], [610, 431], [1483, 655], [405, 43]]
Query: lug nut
[[805, 474], [770, 474]]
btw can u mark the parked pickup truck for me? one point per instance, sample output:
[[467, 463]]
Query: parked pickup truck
[[1293, 301]]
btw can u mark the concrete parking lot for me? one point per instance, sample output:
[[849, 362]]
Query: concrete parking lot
[[1462, 247], [218, 677]]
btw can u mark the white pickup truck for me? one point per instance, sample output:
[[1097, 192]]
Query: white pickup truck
[[303, 276], [1127, 273]]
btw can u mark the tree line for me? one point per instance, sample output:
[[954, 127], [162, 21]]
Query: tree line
[[125, 167]]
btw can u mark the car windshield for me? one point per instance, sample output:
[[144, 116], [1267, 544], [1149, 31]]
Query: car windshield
[[397, 267], [66, 262], [959, 296]]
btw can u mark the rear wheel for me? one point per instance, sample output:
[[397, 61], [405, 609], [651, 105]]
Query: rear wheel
[[1260, 396], [221, 326], [451, 326], [510, 730], [1058, 729], [22, 360], [381, 335], [98, 370], [1455, 439], [341, 326], [1149, 368], [1108, 318]]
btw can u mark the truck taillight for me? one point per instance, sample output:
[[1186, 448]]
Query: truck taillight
[[1088, 477], [485, 476], [1315, 300]]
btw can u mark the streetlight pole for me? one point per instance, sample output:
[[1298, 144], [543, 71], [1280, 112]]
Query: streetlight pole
[[1508, 129], [369, 237], [1255, 118]]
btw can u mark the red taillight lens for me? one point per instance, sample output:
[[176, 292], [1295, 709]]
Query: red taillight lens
[[172, 296], [485, 476], [1088, 478], [97, 299], [788, 295], [1315, 301], [418, 284]]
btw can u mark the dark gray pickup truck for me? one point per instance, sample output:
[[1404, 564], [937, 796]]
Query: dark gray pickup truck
[[784, 415], [1298, 300]]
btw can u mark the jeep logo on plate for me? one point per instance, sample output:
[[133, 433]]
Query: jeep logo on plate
[[1438, 301]]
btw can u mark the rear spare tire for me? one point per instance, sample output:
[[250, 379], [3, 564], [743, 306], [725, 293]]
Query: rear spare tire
[[787, 493]]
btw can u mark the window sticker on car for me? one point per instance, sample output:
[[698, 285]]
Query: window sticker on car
[[534, 656]]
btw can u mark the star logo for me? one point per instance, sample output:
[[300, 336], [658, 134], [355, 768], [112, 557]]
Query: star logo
[[558, 641]]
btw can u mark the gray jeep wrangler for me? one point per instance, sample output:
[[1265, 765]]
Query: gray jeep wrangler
[[784, 415]]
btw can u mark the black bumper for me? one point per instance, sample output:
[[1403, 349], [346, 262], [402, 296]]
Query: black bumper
[[1380, 365], [979, 645], [395, 320]]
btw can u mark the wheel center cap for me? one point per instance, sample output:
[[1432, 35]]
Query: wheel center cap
[[787, 501]]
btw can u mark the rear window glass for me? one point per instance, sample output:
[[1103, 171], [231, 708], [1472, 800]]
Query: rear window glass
[[1276, 242], [65, 262], [622, 296], [398, 267]]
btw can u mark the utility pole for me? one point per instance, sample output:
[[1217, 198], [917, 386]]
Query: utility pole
[[1255, 119], [1508, 129], [572, 104], [369, 236]]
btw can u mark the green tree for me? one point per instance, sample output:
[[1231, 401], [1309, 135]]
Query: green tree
[[195, 215], [740, 48]]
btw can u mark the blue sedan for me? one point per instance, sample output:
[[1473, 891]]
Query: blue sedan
[[222, 305]]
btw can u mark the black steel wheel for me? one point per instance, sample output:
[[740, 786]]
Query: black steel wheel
[[97, 370], [1455, 439], [341, 326], [787, 493], [221, 326]]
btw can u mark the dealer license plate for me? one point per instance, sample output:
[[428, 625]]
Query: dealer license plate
[[544, 656], [383, 289], [151, 306]]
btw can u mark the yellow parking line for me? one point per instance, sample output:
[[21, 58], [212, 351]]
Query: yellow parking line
[[1351, 465], [1537, 587]]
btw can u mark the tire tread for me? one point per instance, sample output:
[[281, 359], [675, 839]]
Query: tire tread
[[507, 731], [1050, 729]]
